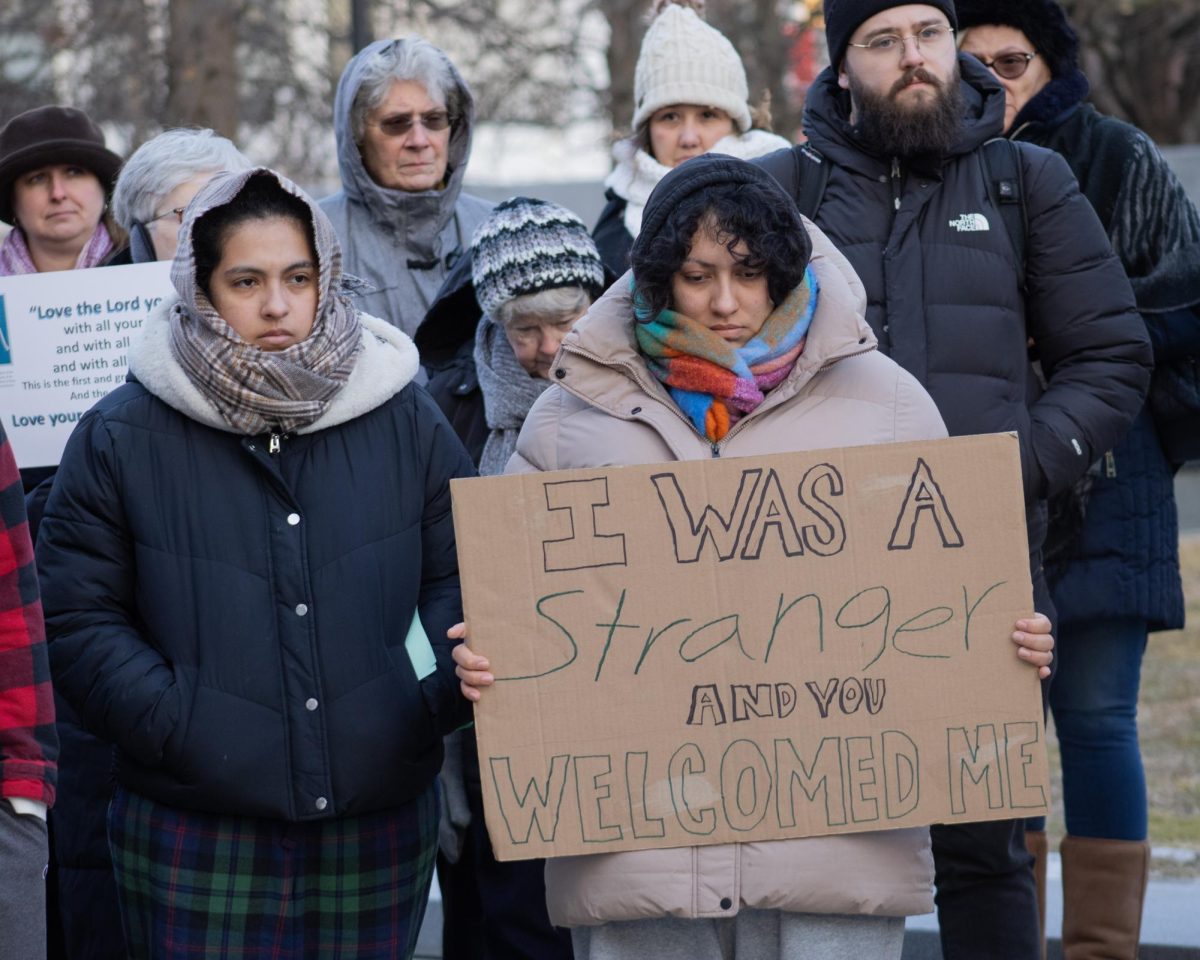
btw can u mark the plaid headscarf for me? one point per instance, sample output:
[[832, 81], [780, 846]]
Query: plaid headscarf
[[258, 391], [714, 382]]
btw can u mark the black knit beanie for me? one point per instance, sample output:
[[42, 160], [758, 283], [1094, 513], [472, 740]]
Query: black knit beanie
[[1043, 21], [842, 18], [697, 175]]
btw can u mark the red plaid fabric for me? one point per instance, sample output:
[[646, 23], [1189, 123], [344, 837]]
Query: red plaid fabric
[[28, 743]]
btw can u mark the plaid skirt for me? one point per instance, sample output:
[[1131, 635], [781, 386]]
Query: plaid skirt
[[203, 885]]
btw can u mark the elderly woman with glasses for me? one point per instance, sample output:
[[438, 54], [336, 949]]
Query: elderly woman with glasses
[[403, 116], [157, 182], [1113, 552], [55, 178]]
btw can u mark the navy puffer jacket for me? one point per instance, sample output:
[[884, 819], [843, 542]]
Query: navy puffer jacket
[[946, 304], [234, 619]]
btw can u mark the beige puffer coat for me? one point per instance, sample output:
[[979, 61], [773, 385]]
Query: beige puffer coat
[[606, 409]]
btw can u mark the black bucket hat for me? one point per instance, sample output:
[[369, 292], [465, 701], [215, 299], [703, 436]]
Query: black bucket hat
[[52, 135]]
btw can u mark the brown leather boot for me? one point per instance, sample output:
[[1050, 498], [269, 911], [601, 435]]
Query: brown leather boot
[[1104, 884], [1035, 843]]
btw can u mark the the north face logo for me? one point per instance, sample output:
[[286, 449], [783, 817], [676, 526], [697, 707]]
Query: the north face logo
[[970, 223]]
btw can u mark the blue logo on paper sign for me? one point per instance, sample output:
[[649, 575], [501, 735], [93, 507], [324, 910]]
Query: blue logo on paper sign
[[5, 348]]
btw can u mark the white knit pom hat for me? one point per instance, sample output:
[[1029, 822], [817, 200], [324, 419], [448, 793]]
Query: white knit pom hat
[[684, 60]]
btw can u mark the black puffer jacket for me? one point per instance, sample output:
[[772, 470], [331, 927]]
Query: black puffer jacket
[[446, 342], [944, 298], [233, 619], [612, 238]]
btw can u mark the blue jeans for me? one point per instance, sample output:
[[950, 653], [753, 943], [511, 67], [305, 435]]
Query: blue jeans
[[1094, 701]]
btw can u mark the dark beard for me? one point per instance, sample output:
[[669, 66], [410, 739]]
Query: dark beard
[[928, 129]]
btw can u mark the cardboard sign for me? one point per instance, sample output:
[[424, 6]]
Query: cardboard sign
[[750, 649], [64, 339]]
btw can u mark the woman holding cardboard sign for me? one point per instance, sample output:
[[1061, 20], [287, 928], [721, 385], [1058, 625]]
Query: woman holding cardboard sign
[[233, 558], [743, 335]]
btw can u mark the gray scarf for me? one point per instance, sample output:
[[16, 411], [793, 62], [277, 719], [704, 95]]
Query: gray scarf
[[258, 391], [508, 393]]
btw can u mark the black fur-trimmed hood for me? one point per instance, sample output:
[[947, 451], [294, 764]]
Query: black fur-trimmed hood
[[1056, 99]]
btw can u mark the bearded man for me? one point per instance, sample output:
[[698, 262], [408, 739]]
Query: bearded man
[[900, 120]]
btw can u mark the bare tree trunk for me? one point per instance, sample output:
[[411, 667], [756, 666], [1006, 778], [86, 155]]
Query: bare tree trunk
[[202, 67], [626, 20], [361, 32], [341, 37], [756, 29], [139, 88], [1143, 63]]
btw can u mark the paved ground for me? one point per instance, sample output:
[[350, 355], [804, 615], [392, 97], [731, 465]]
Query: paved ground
[[1171, 918]]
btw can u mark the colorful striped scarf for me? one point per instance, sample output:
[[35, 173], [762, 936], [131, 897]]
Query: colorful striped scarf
[[714, 382]]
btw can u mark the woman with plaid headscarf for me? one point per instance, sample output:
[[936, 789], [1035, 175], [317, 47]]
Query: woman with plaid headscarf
[[243, 557]]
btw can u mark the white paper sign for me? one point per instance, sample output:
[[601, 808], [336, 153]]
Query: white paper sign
[[64, 344]]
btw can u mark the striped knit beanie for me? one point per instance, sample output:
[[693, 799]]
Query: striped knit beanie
[[526, 246]]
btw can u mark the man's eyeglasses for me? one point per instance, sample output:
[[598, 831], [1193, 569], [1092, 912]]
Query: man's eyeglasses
[[1009, 65], [401, 124], [176, 212], [927, 38]]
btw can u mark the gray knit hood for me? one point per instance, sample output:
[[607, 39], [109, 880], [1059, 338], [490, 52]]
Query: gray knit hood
[[420, 216], [402, 243]]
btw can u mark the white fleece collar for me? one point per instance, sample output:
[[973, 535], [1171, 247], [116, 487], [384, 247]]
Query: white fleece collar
[[386, 364]]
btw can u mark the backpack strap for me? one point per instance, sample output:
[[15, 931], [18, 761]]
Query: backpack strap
[[802, 172], [1002, 171]]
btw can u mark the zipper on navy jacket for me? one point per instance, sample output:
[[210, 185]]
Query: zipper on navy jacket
[[896, 182], [1110, 465], [275, 444]]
